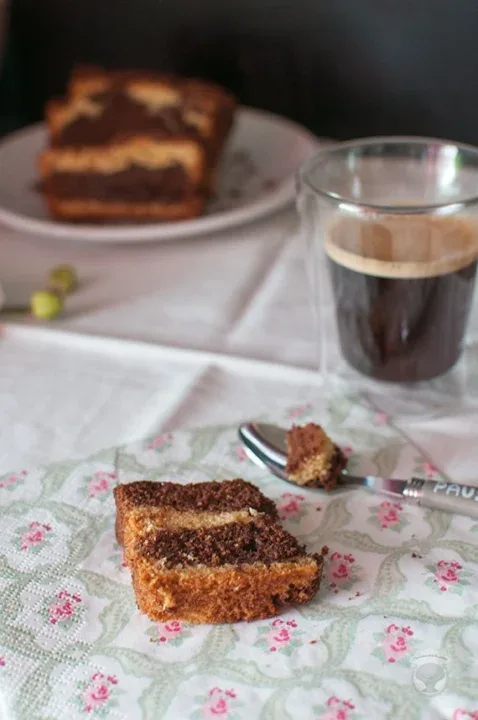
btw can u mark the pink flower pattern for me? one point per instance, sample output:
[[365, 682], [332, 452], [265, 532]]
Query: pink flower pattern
[[160, 442], [63, 610], [98, 694], [394, 645], [430, 470], [448, 575], [462, 714], [172, 633], [336, 709], [239, 453], [342, 571], [100, 484], [299, 411], [425, 468], [279, 636], [34, 535], [381, 418], [388, 516], [290, 506], [12, 480], [117, 556], [2, 662], [219, 703]]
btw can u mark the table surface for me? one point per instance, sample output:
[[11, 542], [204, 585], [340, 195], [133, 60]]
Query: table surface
[[199, 331], [183, 311]]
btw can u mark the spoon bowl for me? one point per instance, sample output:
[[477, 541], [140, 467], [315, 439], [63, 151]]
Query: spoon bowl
[[266, 445]]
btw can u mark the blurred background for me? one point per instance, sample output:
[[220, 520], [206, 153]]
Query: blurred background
[[343, 68]]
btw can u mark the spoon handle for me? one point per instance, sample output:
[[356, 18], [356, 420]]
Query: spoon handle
[[449, 497]]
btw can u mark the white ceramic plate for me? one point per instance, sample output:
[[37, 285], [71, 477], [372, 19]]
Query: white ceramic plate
[[256, 177]]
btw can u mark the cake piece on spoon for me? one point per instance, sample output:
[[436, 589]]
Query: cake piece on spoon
[[313, 459]]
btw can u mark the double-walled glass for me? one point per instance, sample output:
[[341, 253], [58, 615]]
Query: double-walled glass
[[392, 232]]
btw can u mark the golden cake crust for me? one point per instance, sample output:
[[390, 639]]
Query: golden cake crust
[[225, 594], [93, 211]]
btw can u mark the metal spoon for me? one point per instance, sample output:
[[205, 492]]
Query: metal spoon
[[266, 446]]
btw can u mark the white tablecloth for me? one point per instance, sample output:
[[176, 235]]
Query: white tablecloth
[[187, 308], [196, 320]]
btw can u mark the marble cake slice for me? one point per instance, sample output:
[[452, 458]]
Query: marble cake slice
[[223, 574], [145, 507], [313, 460]]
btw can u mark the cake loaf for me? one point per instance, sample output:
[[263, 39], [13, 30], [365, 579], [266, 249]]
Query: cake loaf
[[133, 145], [226, 573], [313, 459]]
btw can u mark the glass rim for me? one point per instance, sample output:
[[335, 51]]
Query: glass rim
[[352, 205]]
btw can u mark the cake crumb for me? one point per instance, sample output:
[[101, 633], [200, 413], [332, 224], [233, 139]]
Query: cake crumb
[[312, 642], [325, 550], [414, 555]]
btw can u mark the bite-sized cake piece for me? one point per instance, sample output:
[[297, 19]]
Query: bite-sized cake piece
[[226, 573], [144, 507], [313, 460]]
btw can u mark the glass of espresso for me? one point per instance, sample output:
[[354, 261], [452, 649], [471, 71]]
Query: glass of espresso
[[392, 224]]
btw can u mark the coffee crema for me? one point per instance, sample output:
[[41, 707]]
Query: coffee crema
[[403, 287]]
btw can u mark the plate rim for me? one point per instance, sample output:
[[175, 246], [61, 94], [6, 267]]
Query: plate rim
[[274, 201]]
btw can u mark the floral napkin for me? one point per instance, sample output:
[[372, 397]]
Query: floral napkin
[[393, 632]]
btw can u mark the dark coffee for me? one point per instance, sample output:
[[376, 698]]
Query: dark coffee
[[403, 289]]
